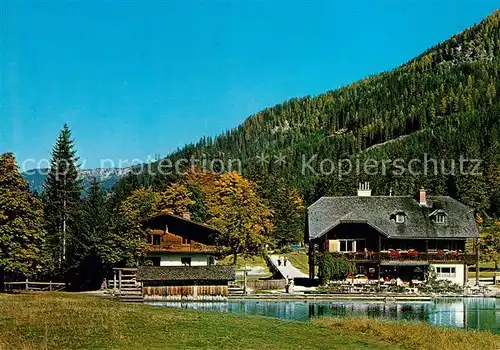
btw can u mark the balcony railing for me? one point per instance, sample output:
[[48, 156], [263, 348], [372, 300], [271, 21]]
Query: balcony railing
[[182, 248], [397, 255]]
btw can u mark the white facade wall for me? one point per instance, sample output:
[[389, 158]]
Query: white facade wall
[[175, 259], [457, 277]]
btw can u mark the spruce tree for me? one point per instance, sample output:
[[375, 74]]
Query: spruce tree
[[471, 184], [84, 258], [493, 173], [22, 235], [62, 192]]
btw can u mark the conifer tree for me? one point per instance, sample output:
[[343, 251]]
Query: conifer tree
[[22, 235], [288, 207], [471, 185], [493, 173], [62, 192], [84, 248], [124, 243]]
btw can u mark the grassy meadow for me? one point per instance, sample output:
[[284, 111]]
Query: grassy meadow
[[76, 321], [300, 260]]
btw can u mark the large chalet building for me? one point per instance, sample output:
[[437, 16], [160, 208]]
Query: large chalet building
[[394, 236]]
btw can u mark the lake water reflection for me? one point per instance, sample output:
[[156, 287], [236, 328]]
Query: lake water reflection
[[474, 313]]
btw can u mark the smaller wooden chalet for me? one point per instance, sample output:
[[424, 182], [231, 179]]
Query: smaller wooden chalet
[[394, 236], [183, 260], [178, 241], [164, 281]]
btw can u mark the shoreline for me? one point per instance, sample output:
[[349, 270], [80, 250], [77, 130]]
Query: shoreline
[[320, 298]]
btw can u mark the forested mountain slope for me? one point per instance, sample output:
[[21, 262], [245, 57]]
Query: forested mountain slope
[[444, 102]]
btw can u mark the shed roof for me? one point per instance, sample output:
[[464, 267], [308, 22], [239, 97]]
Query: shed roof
[[378, 212], [186, 273]]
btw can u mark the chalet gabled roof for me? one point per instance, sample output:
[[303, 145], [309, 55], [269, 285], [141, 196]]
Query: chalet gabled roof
[[182, 227], [377, 212], [185, 273]]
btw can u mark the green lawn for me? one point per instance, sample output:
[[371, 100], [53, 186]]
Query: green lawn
[[483, 274], [241, 262], [256, 261], [74, 321], [299, 260], [486, 269]]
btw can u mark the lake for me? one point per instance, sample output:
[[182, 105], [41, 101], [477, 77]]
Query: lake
[[470, 313]]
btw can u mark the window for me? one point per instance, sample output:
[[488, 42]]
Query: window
[[345, 245], [156, 239], [186, 261], [351, 245], [400, 218], [445, 272], [440, 218]]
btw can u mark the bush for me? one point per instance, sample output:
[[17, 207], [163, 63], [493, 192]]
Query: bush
[[330, 268], [325, 267], [434, 285], [284, 250]]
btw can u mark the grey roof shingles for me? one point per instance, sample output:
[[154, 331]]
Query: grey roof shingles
[[186, 273], [378, 212]]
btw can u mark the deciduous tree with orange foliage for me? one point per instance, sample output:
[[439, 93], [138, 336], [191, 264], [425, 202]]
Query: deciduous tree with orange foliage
[[240, 214], [177, 199]]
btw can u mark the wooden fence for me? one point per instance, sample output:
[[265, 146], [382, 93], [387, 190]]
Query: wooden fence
[[35, 286], [262, 284]]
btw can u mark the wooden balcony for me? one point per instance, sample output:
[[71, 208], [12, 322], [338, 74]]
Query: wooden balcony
[[182, 248], [437, 256]]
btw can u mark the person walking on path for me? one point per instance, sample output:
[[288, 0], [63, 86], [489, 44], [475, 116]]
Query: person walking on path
[[279, 261], [291, 284], [284, 261]]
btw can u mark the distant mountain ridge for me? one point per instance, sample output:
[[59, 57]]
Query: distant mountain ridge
[[107, 176]]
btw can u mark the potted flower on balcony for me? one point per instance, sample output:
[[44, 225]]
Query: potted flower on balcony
[[412, 254], [440, 255], [394, 254]]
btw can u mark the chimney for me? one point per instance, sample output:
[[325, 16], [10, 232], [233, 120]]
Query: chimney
[[364, 189], [186, 215], [421, 197]]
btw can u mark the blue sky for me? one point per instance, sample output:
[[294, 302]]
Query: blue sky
[[141, 78]]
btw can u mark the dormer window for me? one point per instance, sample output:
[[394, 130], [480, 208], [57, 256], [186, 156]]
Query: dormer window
[[440, 218], [400, 218]]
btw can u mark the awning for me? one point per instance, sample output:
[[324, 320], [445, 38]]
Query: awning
[[404, 263]]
